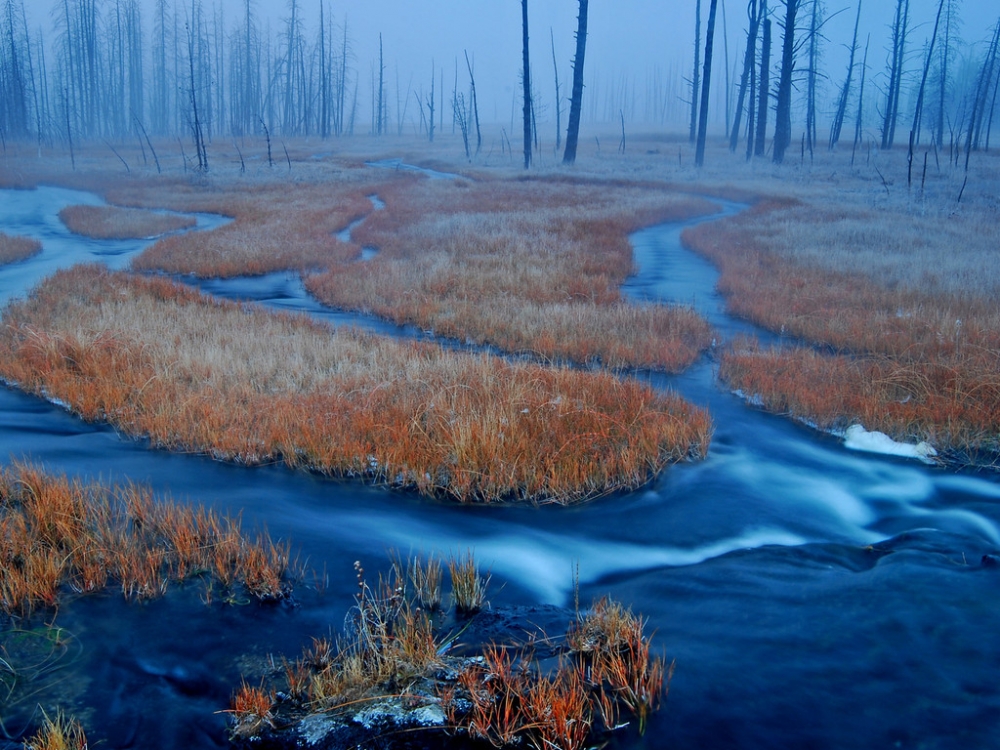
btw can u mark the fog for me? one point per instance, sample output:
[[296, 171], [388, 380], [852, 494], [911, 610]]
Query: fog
[[640, 53]]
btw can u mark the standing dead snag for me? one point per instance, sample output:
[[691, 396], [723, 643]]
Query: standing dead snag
[[754, 16], [699, 154], [576, 102], [526, 83], [783, 108]]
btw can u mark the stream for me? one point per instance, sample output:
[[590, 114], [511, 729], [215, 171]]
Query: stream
[[812, 596]]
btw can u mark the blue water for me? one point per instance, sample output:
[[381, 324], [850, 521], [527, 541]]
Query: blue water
[[812, 596]]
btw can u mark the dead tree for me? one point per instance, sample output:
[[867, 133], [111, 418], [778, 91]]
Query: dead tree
[[899, 31], [555, 71], [695, 82], [845, 91], [576, 98], [763, 90], [918, 111], [526, 84], [430, 106], [753, 15], [861, 100], [474, 103], [783, 107], [706, 85]]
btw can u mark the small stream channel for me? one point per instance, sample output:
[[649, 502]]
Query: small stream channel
[[812, 596]]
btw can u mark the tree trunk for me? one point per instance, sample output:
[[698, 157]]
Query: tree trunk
[[748, 65], [555, 72], [526, 83], [783, 108], [763, 90], [845, 92], [706, 86], [920, 95], [695, 83], [576, 97]]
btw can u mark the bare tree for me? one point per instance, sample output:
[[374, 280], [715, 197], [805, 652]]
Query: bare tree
[[555, 70], [845, 91], [526, 84], [576, 97], [763, 88], [900, 27], [706, 86], [783, 108], [753, 16], [918, 110], [695, 82], [474, 103]]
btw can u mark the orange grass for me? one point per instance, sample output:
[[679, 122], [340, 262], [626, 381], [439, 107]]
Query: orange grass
[[13, 249], [393, 651], [918, 357], [114, 223], [276, 225], [159, 360], [526, 265], [58, 535], [60, 733], [250, 709]]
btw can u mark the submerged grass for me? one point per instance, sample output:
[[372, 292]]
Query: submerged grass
[[114, 223], [161, 361]]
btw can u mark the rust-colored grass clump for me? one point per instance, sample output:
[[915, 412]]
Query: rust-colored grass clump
[[530, 265], [161, 361], [115, 223], [59, 536], [601, 672], [60, 733], [13, 249], [907, 346]]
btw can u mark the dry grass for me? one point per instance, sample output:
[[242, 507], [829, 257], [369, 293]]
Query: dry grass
[[391, 649], [58, 535], [13, 249], [114, 223], [908, 302], [531, 265], [60, 733], [159, 360]]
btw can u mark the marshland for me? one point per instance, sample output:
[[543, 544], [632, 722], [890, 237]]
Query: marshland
[[392, 434]]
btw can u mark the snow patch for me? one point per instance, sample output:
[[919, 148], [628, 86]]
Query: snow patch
[[858, 438]]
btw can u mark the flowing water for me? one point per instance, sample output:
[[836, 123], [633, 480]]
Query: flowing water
[[811, 596]]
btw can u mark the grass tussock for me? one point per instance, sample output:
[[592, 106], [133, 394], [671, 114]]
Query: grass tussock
[[58, 536], [115, 223], [530, 266], [602, 673], [13, 249], [161, 361], [911, 320], [60, 733]]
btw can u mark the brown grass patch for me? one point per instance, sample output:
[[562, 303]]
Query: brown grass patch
[[908, 302], [159, 360], [58, 535], [527, 265], [115, 223], [13, 249], [276, 225]]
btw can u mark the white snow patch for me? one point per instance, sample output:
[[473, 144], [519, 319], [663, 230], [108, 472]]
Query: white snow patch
[[858, 438], [753, 399]]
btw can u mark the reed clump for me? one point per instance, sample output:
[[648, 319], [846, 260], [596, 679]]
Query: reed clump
[[902, 308], [601, 672], [13, 249], [116, 223], [59, 536], [529, 266], [161, 361]]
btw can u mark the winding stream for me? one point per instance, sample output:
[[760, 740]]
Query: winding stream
[[812, 596]]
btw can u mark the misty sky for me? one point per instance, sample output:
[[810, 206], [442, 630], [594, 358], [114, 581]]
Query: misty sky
[[630, 41]]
